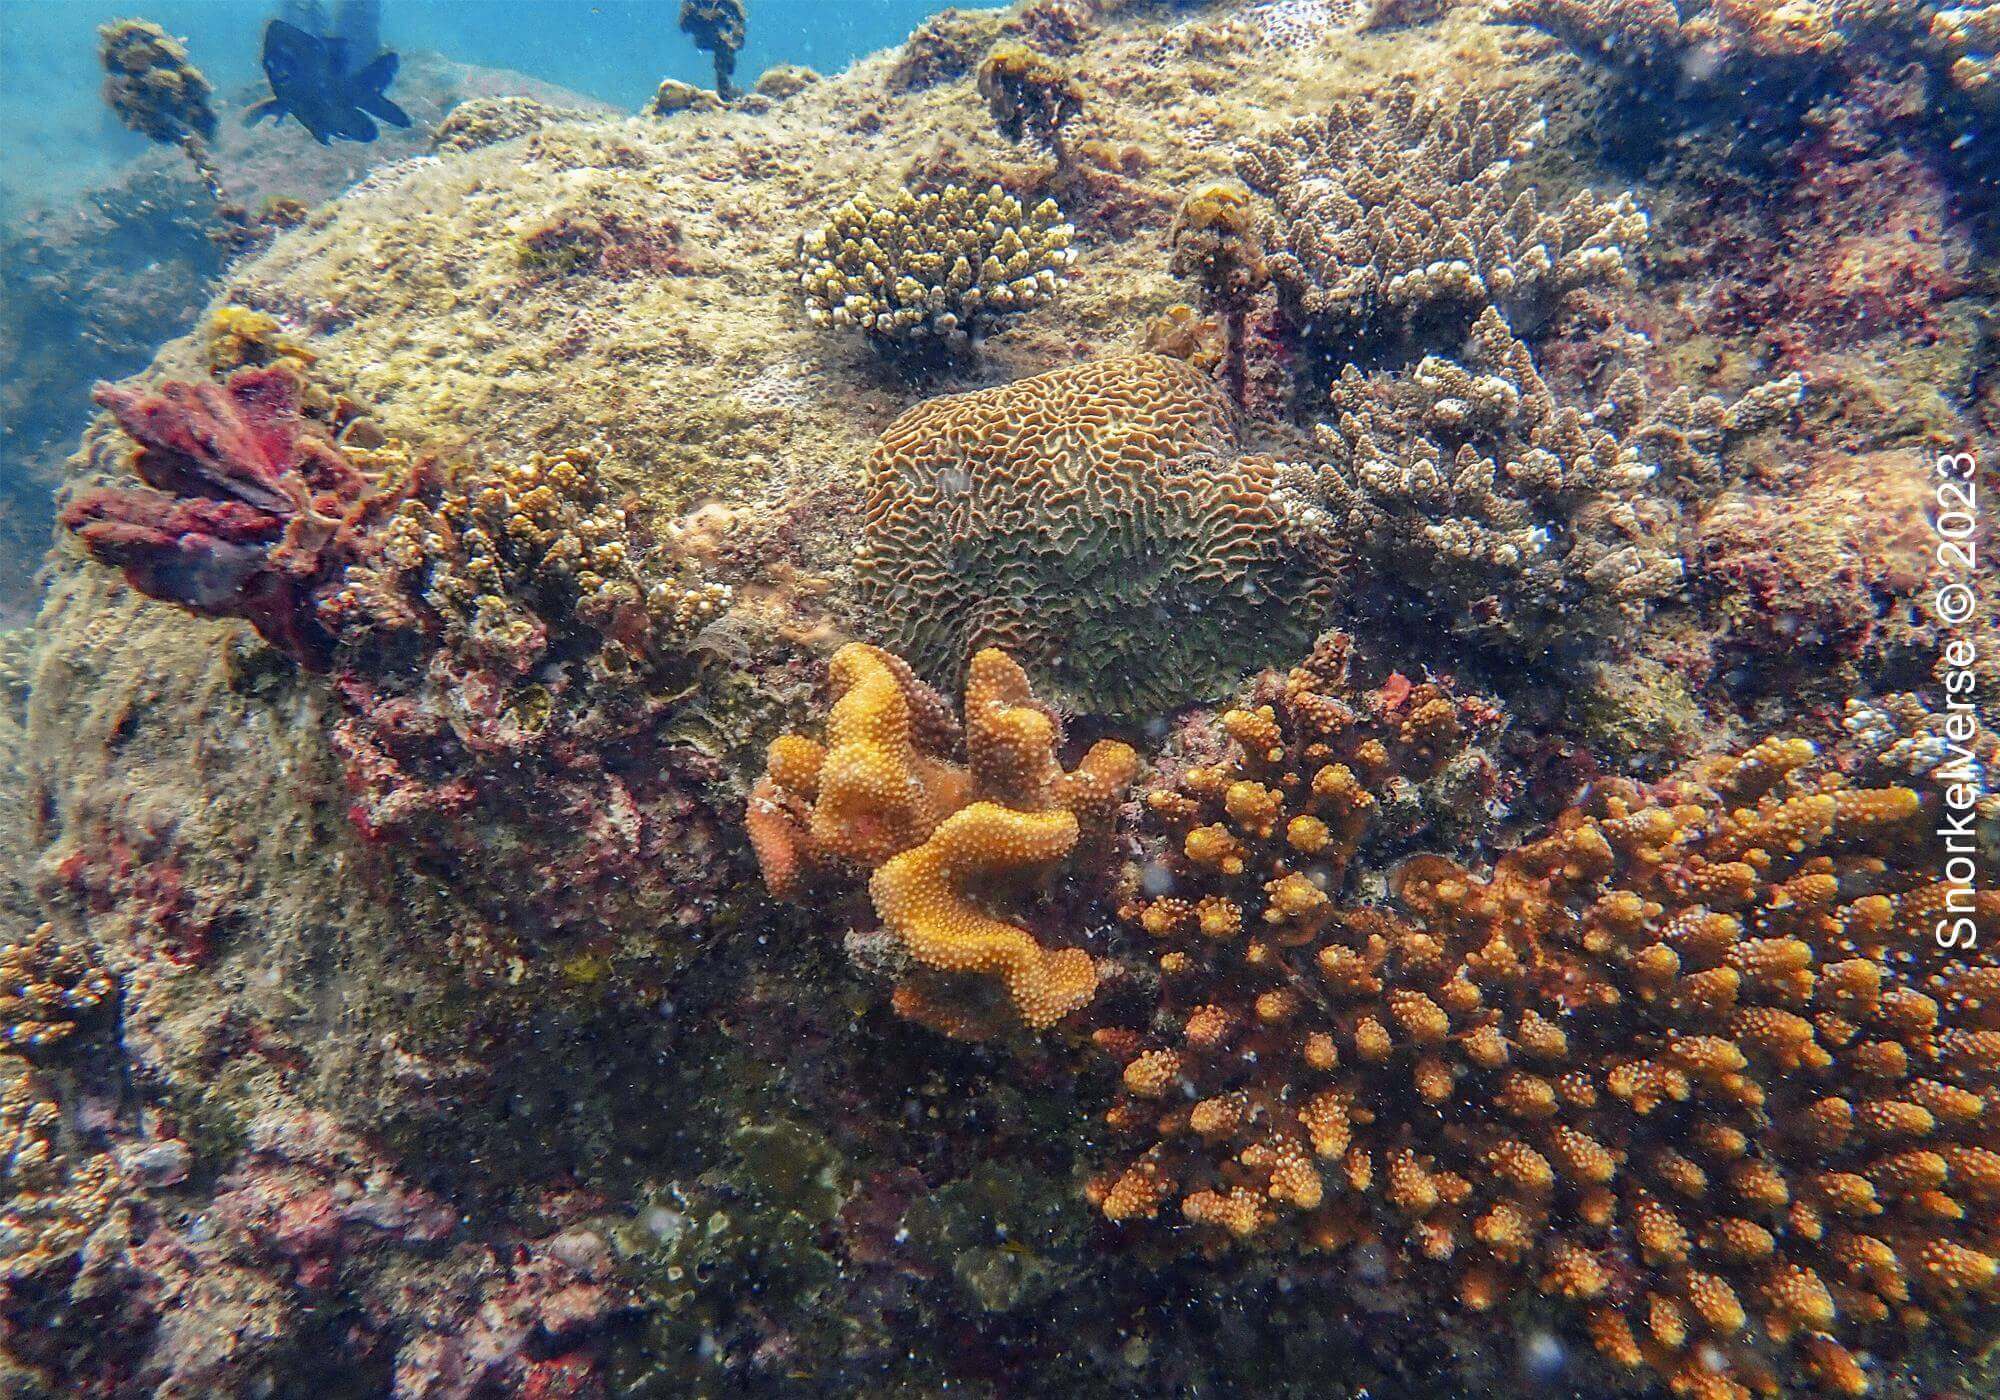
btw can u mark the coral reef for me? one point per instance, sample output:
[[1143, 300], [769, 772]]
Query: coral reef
[[881, 794], [930, 269], [1686, 1061], [783, 80], [1094, 523], [945, 46], [52, 1201], [1399, 219], [716, 26], [1510, 518]]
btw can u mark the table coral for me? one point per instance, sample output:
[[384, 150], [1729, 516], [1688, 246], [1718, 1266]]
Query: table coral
[[254, 502], [942, 839], [931, 268], [1508, 516], [1096, 524], [1399, 218], [1687, 1064], [47, 985]]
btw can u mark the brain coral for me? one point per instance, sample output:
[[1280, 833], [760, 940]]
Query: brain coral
[[1689, 1065], [1094, 523]]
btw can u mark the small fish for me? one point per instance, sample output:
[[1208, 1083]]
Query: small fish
[[310, 80]]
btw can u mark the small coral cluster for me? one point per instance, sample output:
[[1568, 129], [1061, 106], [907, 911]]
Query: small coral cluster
[[949, 848], [1485, 505], [1399, 218], [932, 268], [1095, 523], [46, 986], [51, 1201], [1688, 1065], [502, 645]]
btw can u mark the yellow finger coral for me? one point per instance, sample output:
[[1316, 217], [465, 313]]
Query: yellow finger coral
[[946, 841]]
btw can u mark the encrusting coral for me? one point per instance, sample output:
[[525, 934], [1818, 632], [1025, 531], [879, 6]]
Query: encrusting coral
[[47, 985], [947, 846], [1484, 504], [929, 269], [1688, 1064], [1095, 523], [1399, 218]]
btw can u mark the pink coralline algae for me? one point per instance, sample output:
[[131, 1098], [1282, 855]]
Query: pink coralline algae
[[249, 503]]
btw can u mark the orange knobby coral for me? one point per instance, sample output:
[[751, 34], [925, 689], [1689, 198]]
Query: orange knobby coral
[[1689, 1064], [943, 841]]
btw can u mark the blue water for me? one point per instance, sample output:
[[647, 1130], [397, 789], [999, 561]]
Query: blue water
[[59, 137]]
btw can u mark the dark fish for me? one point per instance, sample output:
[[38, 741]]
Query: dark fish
[[310, 79]]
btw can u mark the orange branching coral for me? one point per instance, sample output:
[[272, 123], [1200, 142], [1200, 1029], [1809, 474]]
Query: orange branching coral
[[1689, 1062], [944, 840]]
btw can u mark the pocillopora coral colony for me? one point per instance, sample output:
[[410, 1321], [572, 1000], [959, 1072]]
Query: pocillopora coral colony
[[1145, 698]]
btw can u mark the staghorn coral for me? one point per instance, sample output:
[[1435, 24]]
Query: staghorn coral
[[1399, 219], [1029, 94], [255, 501], [1491, 508], [945, 842], [716, 26], [47, 985], [1688, 1065], [929, 269], [1092, 522], [50, 1200]]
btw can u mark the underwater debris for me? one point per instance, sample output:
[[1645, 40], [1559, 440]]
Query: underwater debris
[[1483, 505], [1096, 524], [158, 93], [1399, 218], [1688, 1060], [927, 270], [717, 27], [47, 985], [882, 795], [1029, 94], [254, 502], [1217, 241]]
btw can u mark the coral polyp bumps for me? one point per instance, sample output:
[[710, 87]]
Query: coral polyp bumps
[[1688, 1064]]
